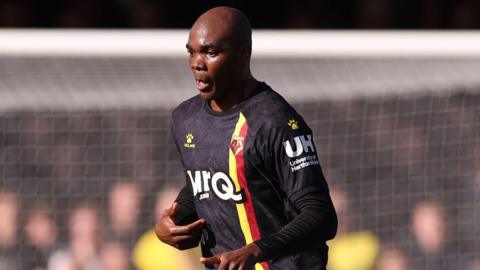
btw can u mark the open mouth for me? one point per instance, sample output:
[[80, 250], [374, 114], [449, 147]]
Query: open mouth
[[202, 85]]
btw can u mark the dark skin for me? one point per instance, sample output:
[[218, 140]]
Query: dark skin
[[219, 50], [219, 47], [181, 237]]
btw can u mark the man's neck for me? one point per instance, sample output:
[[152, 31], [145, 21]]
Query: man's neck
[[236, 96]]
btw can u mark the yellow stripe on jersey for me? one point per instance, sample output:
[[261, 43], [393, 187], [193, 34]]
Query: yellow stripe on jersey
[[242, 213]]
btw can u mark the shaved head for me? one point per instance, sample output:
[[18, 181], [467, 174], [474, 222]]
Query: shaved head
[[233, 25], [220, 47]]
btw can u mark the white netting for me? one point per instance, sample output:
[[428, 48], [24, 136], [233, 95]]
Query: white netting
[[394, 132]]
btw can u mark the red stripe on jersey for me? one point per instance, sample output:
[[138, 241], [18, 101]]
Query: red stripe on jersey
[[242, 180]]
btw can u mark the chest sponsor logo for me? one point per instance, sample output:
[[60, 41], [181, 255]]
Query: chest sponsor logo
[[303, 144], [205, 182]]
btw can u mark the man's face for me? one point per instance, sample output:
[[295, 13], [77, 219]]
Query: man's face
[[213, 60]]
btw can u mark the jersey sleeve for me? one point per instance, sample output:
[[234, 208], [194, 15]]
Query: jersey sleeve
[[186, 212], [291, 157], [289, 153]]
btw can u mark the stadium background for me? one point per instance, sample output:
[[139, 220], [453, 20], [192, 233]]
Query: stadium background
[[86, 153]]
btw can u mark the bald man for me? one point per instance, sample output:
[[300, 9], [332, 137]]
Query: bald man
[[255, 194]]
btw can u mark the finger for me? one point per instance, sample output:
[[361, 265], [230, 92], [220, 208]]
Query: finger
[[184, 238], [188, 229], [227, 265], [173, 209], [194, 226], [211, 260], [223, 266]]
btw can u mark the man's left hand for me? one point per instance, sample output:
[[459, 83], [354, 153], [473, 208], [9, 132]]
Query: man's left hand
[[243, 258]]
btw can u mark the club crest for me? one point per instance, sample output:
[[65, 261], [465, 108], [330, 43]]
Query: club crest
[[236, 145]]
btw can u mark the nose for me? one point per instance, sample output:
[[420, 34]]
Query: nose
[[197, 62]]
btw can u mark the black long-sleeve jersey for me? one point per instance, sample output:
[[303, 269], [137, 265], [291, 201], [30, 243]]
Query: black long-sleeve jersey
[[253, 174]]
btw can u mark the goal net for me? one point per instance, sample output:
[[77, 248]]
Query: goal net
[[84, 124]]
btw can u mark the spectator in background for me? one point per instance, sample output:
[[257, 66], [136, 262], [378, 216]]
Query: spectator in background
[[474, 265], [124, 205], [392, 258], [114, 256], [350, 250], [9, 209], [40, 232], [428, 225], [84, 234], [151, 254]]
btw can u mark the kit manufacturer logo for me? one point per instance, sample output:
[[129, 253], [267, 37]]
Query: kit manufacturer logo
[[189, 141], [293, 124]]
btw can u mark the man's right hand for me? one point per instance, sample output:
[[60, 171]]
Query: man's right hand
[[180, 237]]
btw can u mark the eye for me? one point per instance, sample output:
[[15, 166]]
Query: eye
[[212, 53]]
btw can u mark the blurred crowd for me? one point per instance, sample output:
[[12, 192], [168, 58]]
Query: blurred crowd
[[82, 190], [351, 14], [30, 238]]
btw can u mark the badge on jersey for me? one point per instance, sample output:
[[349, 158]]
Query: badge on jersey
[[237, 144], [189, 141]]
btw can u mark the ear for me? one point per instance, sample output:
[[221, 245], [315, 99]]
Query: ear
[[245, 54]]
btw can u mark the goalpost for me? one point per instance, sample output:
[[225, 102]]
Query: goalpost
[[395, 117]]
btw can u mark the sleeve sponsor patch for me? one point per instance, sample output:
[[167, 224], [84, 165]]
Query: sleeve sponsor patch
[[303, 145]]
